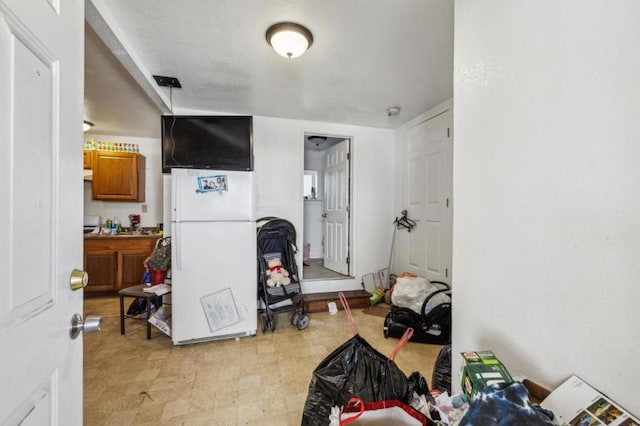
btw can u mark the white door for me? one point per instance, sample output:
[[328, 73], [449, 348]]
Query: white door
[[41, 101], [336, 188], [426, 250]]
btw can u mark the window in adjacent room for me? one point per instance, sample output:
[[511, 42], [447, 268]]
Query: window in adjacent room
[[310, 185]]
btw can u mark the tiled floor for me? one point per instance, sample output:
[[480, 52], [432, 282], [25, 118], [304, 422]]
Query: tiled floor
[[315, 270], [262, 380]]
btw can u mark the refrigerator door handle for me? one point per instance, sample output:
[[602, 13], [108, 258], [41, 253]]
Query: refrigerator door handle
[[178, 201], [177, 241]]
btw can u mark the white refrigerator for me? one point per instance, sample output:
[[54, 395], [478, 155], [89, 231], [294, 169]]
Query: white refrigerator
[[213, 255]]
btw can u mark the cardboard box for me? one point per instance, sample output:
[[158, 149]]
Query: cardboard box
[[480, 370]]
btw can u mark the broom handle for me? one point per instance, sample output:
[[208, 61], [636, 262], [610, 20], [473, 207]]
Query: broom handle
[[347, 309]]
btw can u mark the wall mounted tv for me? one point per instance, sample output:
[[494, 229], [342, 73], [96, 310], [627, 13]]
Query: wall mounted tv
[[207, 142]]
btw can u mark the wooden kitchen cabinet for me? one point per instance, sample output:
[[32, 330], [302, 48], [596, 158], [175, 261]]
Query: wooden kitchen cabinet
[[118, 176], [115, 262], [102, 268], [88, 159]]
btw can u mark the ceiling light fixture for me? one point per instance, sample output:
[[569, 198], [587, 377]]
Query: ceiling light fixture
[[393, 111], [289, 39], [317, 140], [87, 125]]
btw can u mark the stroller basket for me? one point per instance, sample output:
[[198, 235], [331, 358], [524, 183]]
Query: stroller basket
[[276, 239]]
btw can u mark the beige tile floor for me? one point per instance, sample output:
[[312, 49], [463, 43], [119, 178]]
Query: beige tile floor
[[261, 380], [315, 270]]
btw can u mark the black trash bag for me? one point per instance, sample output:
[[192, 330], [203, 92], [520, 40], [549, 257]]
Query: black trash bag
[[356, 369], [441, 377]]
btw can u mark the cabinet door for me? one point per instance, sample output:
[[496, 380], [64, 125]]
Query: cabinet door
[[132, 266], [118, 176], [88, 160], [102, 267]]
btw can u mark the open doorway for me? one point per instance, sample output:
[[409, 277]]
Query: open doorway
[[327, 199]]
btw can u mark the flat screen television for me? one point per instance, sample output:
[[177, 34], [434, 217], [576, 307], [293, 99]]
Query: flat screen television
[[207, 142]]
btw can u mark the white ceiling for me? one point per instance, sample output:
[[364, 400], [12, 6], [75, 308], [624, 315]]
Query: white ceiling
[[367, 56]]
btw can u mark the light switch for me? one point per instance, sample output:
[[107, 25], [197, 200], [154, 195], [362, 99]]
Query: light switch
[[144, 208]]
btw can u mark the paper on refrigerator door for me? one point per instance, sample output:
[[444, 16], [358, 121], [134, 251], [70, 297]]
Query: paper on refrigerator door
[[220, 309]]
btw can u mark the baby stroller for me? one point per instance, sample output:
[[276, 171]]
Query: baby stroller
[[432, 325], [277, 239]]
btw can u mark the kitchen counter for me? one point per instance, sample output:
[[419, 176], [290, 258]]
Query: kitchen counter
[[121, 236], [114, 262]]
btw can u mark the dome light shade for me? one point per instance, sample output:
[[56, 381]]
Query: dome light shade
[[289, 39]]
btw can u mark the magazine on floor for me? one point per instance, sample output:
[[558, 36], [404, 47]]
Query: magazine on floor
[[576, 403]]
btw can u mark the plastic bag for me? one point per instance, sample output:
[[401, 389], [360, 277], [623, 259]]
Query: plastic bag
[[410, 292], [381, 413], [357, 370], [441, 378]]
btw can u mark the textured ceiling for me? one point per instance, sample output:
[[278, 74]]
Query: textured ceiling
[[367, 56]]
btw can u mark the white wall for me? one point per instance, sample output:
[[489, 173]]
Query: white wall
[[546, 182], [279, 189], [150, 148]]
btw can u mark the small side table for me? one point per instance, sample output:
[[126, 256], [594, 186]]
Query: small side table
[[136, 291]]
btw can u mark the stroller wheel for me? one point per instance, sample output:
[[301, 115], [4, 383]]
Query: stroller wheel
[[294, 318], [303, 322], [267, 324]]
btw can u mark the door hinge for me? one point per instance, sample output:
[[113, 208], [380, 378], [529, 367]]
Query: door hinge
[[446, 272], [447, 203], [348, 156], [448, 132], [347, 260]]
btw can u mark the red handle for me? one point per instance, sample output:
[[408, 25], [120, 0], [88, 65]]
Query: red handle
[[405, 338], [347, 309], [353, 402]]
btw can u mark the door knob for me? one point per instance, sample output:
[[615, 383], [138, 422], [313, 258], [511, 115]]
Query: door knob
[[324, 215], [92, 324], [78, 279]]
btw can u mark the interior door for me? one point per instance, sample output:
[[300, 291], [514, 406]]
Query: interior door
[[336, 187], [426, 250], [41, 101]]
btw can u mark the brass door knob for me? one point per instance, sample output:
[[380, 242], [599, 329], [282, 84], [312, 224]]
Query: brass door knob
[[78, 279]]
